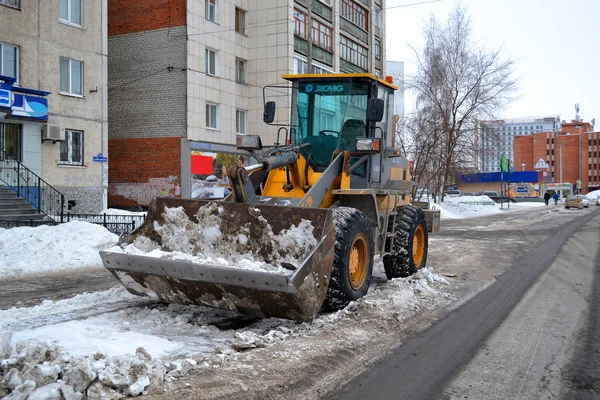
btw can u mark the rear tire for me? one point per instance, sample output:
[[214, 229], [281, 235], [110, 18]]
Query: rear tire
[[409, 252], [353, 263]]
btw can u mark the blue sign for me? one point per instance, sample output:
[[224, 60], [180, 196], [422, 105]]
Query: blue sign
[[99, 158], [23, 103], [204, 146], [5, 96]]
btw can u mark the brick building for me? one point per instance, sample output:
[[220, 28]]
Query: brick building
[[571, 154], [186, 76]]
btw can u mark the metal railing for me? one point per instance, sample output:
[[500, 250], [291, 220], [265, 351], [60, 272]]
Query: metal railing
[[31, 187], [118, 224]]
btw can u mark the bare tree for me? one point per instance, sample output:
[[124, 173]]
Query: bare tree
[[457, 83]]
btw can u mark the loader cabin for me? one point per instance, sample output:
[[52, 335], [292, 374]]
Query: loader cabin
[[331, 111]]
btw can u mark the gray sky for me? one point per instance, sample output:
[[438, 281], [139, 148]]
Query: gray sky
[[556, 43]]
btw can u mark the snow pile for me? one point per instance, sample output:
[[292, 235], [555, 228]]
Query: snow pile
[[459, 207], [35, 370], [45, 248], [593, 195], [253, 247], [117, 211]]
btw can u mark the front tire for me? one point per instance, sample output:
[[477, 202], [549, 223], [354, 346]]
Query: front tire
[[409, 252], [353, 263]]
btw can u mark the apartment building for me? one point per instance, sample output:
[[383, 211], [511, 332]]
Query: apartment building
[[53, 99], [496, 138], [185, 77], [572, 154]]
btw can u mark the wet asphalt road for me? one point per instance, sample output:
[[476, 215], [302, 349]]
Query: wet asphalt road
[[492, 347]]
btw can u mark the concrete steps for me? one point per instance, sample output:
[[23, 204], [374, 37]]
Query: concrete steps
[[15, 208]]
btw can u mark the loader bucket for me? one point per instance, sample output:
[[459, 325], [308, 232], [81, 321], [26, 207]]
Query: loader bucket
[[191, 229]]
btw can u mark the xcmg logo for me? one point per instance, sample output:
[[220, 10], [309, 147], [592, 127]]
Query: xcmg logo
[[333, 89]]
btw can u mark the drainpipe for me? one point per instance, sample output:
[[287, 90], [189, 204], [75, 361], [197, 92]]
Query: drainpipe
[[309, 37]]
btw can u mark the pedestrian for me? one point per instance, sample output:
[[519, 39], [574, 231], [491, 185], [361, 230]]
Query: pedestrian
[[555, 197], [546, 197], [224, 177], [241, 161]]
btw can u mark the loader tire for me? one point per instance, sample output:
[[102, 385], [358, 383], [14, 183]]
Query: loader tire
[[353, 262], [409, 251]]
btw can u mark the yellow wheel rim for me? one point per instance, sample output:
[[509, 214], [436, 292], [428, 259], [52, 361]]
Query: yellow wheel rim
[[418, 248], [358, 262]]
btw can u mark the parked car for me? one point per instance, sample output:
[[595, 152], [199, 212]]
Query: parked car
[[574, 201], [452, 193], [585, 201], [498, 198], [598, 201]]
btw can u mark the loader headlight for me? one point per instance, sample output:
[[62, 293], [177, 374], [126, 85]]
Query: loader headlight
[[368, 145], [248, 142]]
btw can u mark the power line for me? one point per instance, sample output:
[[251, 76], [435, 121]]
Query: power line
[[413, 4]]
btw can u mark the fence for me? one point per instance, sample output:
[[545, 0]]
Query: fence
[[118, 224]]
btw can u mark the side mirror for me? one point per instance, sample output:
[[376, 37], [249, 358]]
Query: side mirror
[[269, 113], [375, 109]]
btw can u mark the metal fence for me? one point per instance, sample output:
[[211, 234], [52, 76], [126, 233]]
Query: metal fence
[[118, 224]]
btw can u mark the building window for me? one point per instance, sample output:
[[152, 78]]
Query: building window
[[11, 3], [9, 61], [71, 77], [70, 11], [212, 116], [354, 13], [377, 17], [353, 53], [322, 35], [240, 21], [301, 67], [240, 122], [211, 10], [10, 141], [240, 70], [211, 62], [71, 149], [377, 49]]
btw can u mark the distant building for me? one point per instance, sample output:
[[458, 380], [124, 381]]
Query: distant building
[[395, 69], [495, 138], [569, 155]]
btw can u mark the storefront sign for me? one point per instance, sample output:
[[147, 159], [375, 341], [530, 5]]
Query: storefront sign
[[22, 103]]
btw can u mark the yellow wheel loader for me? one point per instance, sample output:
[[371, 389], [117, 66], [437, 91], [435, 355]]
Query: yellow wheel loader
[[337, 173]]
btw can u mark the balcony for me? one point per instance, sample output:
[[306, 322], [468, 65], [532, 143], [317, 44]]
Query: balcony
[[319, 8], [354, 30], [318, 54]]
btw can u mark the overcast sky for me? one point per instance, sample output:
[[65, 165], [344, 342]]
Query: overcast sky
[[556, 42]]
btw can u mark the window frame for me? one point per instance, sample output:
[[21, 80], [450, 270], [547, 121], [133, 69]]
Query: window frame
[[207, 51], [354, 52], [322, 34], [240, 73], [208, 114], [215, 9], [354, 13], [70, 78], [69, 20], [17, 54], [16, 4], [377, 48], [244, 124], [240, 21], [69, 143]]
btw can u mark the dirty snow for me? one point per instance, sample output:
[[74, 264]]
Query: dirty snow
[[204, 243], [110, 344], [75, 244], [461, 207]]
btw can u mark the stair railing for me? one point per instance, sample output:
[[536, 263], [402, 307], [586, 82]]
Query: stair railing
[[31, 187]]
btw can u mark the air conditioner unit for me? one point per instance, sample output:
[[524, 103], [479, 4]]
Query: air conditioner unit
[[53, 132]]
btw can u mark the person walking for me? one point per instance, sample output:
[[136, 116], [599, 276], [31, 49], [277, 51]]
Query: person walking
[[546, 197], [555, 197]]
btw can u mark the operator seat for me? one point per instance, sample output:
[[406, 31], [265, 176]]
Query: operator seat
[[351, 129]]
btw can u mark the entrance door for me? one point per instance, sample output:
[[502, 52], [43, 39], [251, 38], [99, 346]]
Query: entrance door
[[10, 141]]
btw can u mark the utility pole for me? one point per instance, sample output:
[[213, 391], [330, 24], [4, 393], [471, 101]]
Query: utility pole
[[309, 36]]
